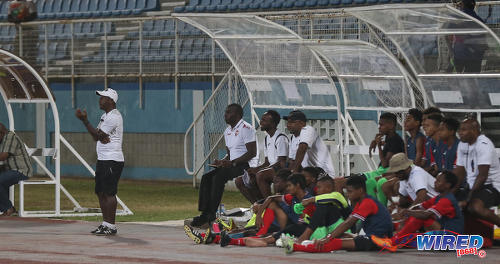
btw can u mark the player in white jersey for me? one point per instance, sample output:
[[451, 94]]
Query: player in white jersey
[[255, 184]]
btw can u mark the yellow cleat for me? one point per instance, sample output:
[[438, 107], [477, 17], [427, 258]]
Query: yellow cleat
[[384, 243]]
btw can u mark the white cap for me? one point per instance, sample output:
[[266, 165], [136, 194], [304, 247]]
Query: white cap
[[108, 92]]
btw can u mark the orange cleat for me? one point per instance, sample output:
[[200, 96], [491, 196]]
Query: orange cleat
[[384, 243]]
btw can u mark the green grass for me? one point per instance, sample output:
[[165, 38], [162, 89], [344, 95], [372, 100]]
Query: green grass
[[149, 200]]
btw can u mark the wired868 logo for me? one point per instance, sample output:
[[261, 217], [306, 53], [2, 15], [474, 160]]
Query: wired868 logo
[[463, 244]]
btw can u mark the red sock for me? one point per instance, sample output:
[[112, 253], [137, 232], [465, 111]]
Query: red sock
[[216, 239], [334, 244], [267, 221], [237, 242], [411, 226]]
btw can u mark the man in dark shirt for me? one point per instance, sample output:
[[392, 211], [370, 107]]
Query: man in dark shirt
[[392, 144]]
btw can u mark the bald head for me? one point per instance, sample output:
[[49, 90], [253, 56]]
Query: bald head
[[469, 130]]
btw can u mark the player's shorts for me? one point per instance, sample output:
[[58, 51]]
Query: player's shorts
[[107, 175], [364, 243], [488, 194]]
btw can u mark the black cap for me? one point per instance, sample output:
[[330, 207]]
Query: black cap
[[296, 115]]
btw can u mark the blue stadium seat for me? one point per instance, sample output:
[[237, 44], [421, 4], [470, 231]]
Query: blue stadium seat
[[278, 4], [73, 8], [191, 7], [245, 4], [152, 5], [167, 50], [299, 4], [140, 5], [130, 7], [213, 5], [120, 7], [113, 50], [234, 5], [255, 4], [65, 8], [202, 6], [169, 28], [154, 52], [224, 5], [102, 7], [348, 2], [87, 9], [61, 51], [323, 2], [158, 27], [311, 3], [110, 8], [335, 2], [56, 8]]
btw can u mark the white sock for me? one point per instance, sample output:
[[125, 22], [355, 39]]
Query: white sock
[[106, 224]]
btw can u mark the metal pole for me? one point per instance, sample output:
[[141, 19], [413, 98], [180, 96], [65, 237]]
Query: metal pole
[[73, 99], [140, 65], [213, 64], [105, 55], [176, 88], [46, 54]]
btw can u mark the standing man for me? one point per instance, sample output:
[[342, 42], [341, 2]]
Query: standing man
[[477, 161], [310, 144], [241, 147], [18, 167], [110, 161], [256, 183]]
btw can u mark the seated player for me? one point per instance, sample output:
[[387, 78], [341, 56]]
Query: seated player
[[392, 145], [332, 211], [415, 184], [255, 184], [439, 213], [447, 134], [312, 174], [374, 217], [432, 144], [311, 151], [416, 140], [288, 219], [431, 111], [267, 225]]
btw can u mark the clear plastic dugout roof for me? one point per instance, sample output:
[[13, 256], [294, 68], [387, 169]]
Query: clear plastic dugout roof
[[278, 71], [454, 56]]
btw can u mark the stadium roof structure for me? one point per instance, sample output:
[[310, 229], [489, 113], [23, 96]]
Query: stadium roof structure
[[21, 83], [459, 37], [282, 70]]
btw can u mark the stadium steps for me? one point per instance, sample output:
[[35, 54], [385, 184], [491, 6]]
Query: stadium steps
[[158, 13]]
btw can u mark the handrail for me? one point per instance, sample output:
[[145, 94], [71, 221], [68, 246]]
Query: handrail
[[221, 84]]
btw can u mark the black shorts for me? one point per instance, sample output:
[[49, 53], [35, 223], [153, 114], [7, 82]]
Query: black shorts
[[364, 243], [488, 194], [107, 175]]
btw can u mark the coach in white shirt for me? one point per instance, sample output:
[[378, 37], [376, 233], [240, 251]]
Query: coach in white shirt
[[110, 161], [256, 183], [312, 151], [241, 147], [414, 182], [477, 162]]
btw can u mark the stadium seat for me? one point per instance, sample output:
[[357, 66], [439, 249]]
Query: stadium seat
[[224, 5], [110, 7], [349, 2], [167, 50], [202, 6], [154, 52], [299, 4], [234, 5], [102, 7], [311, 3], [213, 5], [335, 2], [65, 8], [244, 4], [151, 5]]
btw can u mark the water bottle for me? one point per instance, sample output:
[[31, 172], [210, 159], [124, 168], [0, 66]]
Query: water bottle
[[221, 210]]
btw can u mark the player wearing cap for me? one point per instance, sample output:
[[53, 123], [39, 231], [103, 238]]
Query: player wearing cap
[[110, 161], [312, 151]]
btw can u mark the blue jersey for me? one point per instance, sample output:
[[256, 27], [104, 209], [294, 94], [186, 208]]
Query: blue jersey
[[411, 145], [432, 151], [448, 213], [375, 217], [448, 158]]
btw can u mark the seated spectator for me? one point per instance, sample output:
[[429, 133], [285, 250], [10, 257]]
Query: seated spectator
[[439, 213], [478, 163], [415, 184], [310, 144], [432, 144], [447, 134], [18, 167], [374, 217], [256, 183], [241, 148], [416, 140]]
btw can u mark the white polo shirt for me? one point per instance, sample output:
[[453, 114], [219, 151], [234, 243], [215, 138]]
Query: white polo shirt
[[277, 146], [237, 137], [294, 145], [419, 179], [317, 152], [482, 152], [112, 124]]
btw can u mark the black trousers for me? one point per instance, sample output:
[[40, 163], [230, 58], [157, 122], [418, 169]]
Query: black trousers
[[324, 215], [212, 187]]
